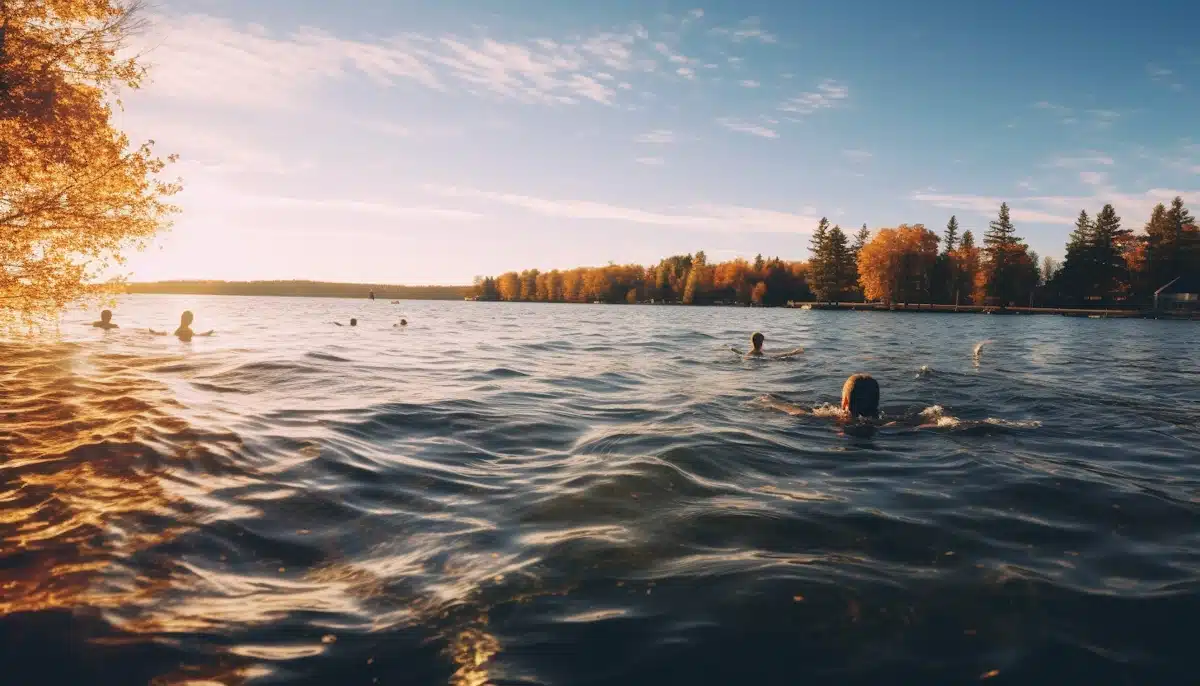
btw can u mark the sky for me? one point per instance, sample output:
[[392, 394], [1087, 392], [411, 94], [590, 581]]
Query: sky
[[428, 143]]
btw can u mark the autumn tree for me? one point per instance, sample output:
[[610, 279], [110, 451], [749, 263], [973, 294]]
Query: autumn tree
[[759, 293], [895, 265], [75, 194]]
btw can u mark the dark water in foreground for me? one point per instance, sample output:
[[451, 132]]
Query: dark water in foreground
[[542, 494]]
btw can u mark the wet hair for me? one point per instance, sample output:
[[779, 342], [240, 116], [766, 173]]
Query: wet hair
[[861, 394], [353, 322], [403, 322], [106, 315], [757, 339], [186, 318]]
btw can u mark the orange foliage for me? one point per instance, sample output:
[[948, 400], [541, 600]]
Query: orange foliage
[[75, 192], [895, 264]]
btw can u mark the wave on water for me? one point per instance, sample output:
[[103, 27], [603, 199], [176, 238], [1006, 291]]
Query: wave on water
[[569, 496]]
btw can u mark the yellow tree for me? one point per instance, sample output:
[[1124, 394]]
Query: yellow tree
[[74, 193]]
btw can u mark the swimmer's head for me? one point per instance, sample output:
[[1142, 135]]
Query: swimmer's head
[[186, 318], [403, 322], [106, 316], [757, 340], [353, 322], [860, 396]]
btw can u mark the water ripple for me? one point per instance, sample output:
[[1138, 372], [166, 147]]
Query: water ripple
[[594, 495]]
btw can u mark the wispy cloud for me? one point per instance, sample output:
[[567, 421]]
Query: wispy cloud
[[657, 136], [743, 126], [1059, 209], [748, 29], [828, 95], [216, 61], [351, 206], [1098, 118], [987, 206], [857, 155], [1088, 159], [651, 161], [750, 83], [1093, 178], [1164, 76], [713, 217]]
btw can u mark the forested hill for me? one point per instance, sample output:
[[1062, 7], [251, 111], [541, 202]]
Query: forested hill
[[308, 289]]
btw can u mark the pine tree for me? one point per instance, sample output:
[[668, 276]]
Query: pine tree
[[758, 263], [967, 242], [818, 263], [838, 270], [1109, 271], [860, 240], [1181, 226], [951, 236], [1076, 278], [1006, 259]]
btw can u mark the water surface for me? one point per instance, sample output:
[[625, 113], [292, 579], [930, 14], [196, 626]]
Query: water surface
[[576, 494]]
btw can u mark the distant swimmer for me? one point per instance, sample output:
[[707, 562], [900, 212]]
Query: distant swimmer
[[403, 322], [757, 340], [978, 351], [353, 322], [371, 295], [184, 332], [105, 321]]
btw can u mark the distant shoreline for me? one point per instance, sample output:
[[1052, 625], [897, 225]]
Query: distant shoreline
[[298, 289]]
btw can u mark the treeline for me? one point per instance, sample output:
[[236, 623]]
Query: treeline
[[1105, 264], [308, 289]]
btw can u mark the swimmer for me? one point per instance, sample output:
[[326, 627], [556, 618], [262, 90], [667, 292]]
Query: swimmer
[[353, 322], [105, 321], [860, 399], [403, 322], [184, 332], [757, 340]]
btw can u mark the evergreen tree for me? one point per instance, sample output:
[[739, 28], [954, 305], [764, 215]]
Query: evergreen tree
[[1159, 249], [1181, 226], [1110, 275], [839, 266], [860, 240], [1007, 268], [758, 263], [967, 242], [1075, 279], [818, 263], [951, 236]]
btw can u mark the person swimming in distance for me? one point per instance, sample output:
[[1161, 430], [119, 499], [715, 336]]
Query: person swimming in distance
[[184, 332], [403, 322], [757, 340], [105, 321], [353, 322]]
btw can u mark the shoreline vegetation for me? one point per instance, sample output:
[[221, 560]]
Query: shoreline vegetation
[[1107, 269]]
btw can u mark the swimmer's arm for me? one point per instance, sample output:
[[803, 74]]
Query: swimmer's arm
[[206, 333], [794, 410], [157, 333], [337, 323], [735, 350], [789, 354]]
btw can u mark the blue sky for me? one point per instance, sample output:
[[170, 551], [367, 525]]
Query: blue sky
[[416, 142]]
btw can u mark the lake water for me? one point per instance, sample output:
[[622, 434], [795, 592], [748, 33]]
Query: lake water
[[583, 494]]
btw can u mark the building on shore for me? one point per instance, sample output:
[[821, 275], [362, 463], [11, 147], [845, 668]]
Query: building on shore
[[1180, 296]]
